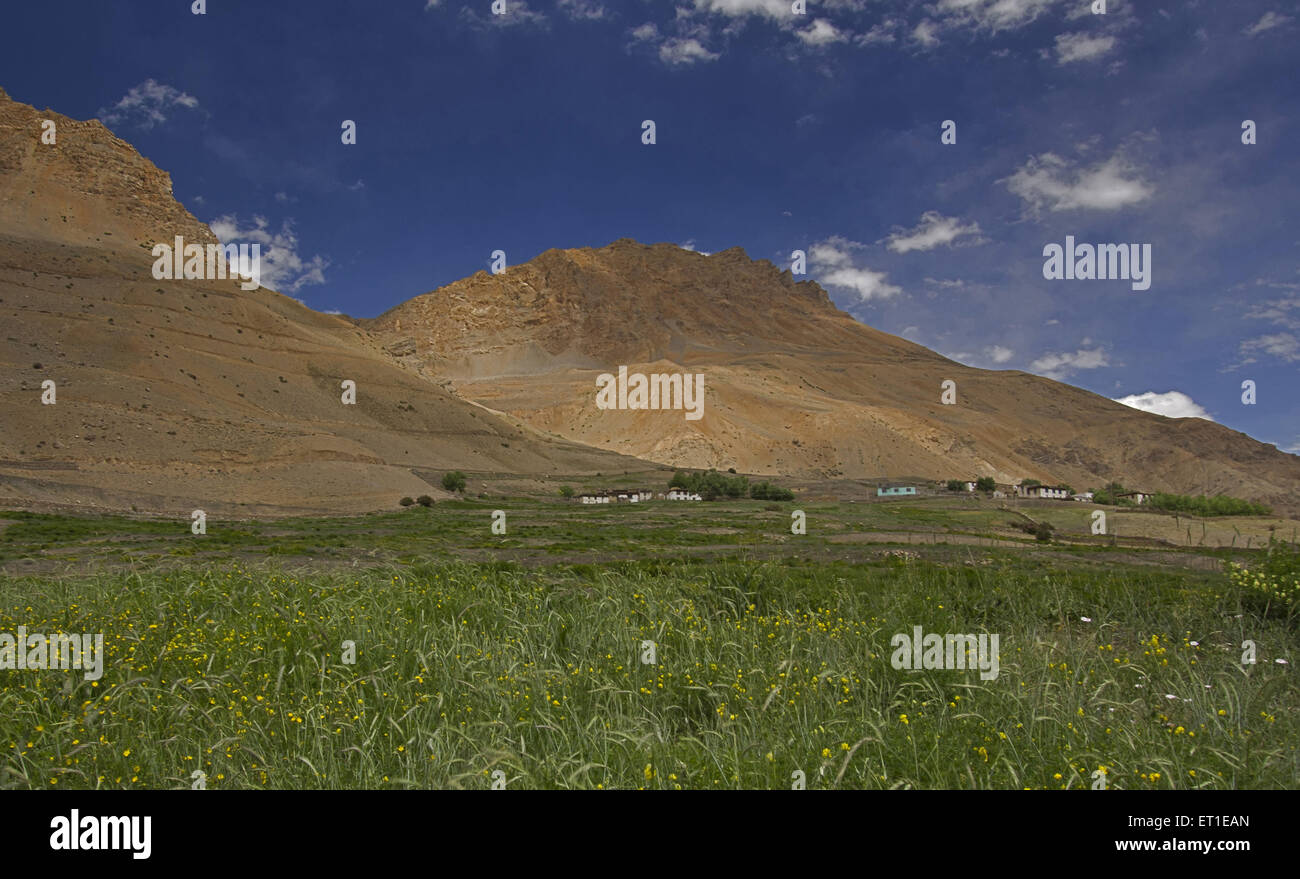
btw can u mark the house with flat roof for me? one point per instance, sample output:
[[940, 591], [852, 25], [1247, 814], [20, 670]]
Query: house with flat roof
[[1047, 492], [895, 490]]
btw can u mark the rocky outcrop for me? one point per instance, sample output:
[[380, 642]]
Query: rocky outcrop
[[87, 187]]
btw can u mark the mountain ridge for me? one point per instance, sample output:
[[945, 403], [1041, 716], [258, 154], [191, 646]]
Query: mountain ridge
[[795, 386], [175, 395], [183, 393]]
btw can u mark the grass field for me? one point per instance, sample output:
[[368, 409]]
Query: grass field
[[524, 653]]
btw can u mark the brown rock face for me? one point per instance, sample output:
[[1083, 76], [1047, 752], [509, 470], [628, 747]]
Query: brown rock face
[[793, 385], [89, 187]]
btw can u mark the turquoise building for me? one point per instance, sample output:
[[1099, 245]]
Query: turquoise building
[[895, 490]]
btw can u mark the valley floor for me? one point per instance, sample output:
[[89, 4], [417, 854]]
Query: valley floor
[[663, 646]]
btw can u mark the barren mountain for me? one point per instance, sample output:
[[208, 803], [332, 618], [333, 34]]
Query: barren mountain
[[176, 395], [793, 385]]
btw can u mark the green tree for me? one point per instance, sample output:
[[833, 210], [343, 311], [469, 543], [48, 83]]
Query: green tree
[[956, 485], [454, 481], [766, 491], [985, 483], [566, 491]]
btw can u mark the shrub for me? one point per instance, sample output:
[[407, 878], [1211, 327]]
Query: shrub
[[711, 485], [566, 491], [424, 500], [1221, 505], [1273, 584], [1043, 532], [956, 485], [766, 491], [454, 481], [406, 501]]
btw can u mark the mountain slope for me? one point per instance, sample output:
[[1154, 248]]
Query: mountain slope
[[793, 385], [181, 394]]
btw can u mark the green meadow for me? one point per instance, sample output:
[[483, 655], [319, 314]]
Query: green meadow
[[662, 645]]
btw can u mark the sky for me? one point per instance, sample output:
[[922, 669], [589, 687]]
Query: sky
[[776, 129]]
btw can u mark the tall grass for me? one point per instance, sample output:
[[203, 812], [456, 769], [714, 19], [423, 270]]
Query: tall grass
[[761, 670]]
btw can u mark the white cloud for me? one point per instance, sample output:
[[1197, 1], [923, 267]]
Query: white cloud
[[581, 9], [1171, 404], [1052, 182], [690, 245], [924, 32], [820, 33], [993, 15], [517, 13], [776, 9], [835, 266], [147, 105], [1081, 47], [688, 50], [645, 33], [1268, 22], [1058, 366], [1278, 311], [866, 283], [935, 229], [940, 282], [998, 354], [281, 267], [1284, 346], [879, 34], [831, 253]]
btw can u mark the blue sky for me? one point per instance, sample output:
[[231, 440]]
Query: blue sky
[[774, 131]]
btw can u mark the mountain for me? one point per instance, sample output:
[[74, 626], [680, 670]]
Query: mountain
[[793, 385], [176, 395]]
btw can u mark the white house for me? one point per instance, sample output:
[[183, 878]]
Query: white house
[[681, 494], [1051, 492], [1085, 496], [630, 495], [1137, 497]]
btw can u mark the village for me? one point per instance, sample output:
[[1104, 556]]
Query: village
[[1028, 489]]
